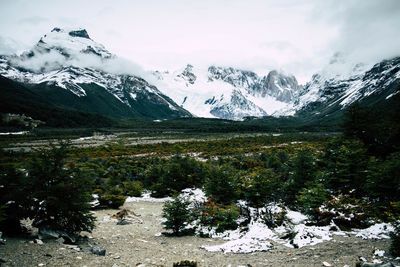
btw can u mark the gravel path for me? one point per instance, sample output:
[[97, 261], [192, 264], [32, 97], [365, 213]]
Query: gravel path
[[138, 243]]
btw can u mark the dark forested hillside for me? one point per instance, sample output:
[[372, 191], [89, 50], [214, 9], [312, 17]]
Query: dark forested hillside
[[15, 98]]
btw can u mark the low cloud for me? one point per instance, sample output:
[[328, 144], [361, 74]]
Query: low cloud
[[368, 31], [53, 60], [35, 20], [8, 46]]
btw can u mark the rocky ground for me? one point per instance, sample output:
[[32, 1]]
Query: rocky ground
[[140, 244]]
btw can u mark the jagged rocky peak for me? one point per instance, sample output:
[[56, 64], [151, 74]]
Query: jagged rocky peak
[[228, 73], [69, 43], [281, 86], [74, 33], [188, 75], [279, 80], [79, 33], [236, 106], [238, 78]]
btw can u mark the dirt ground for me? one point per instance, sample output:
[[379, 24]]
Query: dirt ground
[[139, 244]]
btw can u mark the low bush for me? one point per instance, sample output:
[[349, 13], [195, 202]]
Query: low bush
[[395, 240], [311, 198], [15, 200], [346, 211], [221, 185], [60, 191], [133, 188], [273, 219], [185, 264], [177, 215], [111, 201], [223, 217]]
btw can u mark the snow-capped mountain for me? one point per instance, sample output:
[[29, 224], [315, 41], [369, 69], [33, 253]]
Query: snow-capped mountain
[[69, 69], [332, 91], [70, 60], [227, 92]]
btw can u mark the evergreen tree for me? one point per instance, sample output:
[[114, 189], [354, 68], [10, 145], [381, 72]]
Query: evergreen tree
[[347, 163], [383, 181], [260, 187], [177, 215], [311, 198], [61, 192], [303, 170], [15, 199], [221, 185]]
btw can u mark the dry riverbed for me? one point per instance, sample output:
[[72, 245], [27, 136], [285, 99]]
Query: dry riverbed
[[139, 244]]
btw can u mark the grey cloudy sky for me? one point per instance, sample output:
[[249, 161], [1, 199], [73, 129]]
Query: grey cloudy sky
[[297, 36]]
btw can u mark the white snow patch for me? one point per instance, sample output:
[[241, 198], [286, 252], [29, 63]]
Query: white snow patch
[[376, 231], [240, 246], [296, 217], [310, 235], [389, 96], [376, 261], [95, 201], [194, 195], [147, 198], [14, 133], [379, 253]]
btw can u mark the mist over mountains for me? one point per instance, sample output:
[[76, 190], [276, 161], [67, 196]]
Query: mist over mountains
[[95, 80]]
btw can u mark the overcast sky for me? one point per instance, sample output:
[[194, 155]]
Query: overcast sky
[[297, 36]]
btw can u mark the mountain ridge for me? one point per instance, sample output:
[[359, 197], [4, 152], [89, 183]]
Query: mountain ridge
[[65, 67], [58, 53]]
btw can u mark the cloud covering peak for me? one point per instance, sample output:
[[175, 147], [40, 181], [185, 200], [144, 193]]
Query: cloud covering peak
[[299, 36]]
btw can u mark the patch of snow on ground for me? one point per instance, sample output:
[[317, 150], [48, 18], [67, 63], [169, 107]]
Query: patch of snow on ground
[[258, 235], [194, 195], [376, 231], [379, 253], [147, 198], [244, 245], [95, 201], [14, 133], [309, 235], [295, 216]]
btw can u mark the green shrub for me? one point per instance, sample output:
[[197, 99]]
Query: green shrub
[[61, 192], [303, 170], [260, 187], [311, 198], [185, 264], [345, 211], [383, 182], [114, 190], [174, 175], [346, 163], [219, 216], [395, 240], [177, 215], [112, 201], [226, 218], [221, 185], [133, 188], [273, 219], [15, 199]]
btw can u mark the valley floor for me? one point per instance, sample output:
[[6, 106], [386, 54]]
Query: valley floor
[[141, 243]]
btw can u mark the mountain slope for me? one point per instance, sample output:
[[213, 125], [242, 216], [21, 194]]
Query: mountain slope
[[326, 98], [64, 67], [15, 98], [228, 93], [67, 69]]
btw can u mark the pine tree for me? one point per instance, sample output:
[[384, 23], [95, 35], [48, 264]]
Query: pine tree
[[177, 215], [61, 192]]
